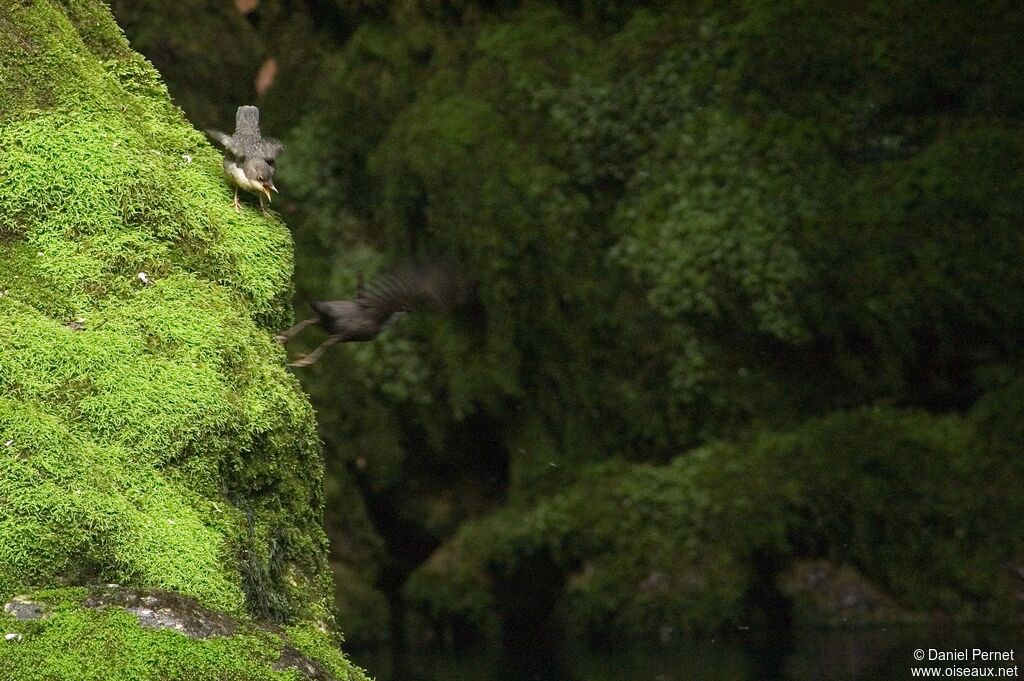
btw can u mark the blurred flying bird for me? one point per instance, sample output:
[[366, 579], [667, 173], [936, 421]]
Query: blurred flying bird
[[375, 306], [249, 161]]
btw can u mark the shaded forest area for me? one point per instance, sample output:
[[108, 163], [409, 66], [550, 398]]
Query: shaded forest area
[[749, 343]]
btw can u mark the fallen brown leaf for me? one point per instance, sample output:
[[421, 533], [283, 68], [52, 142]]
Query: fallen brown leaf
[[246, 6], [265, 76]]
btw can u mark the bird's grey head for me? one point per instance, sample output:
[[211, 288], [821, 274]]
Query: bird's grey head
[[260, 171]]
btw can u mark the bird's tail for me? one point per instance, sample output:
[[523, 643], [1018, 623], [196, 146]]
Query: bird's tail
[[247, 120]]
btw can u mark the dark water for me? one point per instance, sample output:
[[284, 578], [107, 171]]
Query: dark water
[[878, 654]]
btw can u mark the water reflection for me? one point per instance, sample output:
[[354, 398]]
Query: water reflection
[[878, 654]]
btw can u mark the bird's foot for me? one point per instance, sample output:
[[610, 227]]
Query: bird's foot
[[238, 205]]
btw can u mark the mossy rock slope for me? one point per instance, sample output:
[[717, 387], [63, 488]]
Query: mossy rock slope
[[149, 433]]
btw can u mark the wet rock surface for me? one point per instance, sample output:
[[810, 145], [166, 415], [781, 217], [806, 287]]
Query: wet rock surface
[[24, 609], [165, 610], [291, 658]]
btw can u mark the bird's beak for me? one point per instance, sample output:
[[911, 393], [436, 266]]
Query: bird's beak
[[266, 190]]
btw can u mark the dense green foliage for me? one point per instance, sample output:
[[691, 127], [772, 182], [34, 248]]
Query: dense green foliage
[[651, 552], [755, 253], [149, 433], [730, 229]]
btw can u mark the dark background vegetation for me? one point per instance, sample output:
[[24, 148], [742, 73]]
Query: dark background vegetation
[[751, 303]]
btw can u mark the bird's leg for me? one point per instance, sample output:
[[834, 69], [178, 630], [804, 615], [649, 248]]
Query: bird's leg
[[285, 336], [238, 206], [263, 206], [312, 357]]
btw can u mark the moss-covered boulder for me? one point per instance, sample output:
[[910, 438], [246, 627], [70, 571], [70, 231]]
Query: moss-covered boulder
[[149, 433], [737, 534]]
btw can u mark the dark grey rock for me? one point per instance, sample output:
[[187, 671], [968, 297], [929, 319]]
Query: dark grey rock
[[157, 609], [24, 609], [165, 610], [291, 658]]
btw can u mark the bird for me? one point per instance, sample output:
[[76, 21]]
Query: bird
[[250, 158], [376, 306]]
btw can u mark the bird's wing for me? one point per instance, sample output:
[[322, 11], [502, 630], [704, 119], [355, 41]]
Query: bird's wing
[[329, 308], [384, 297], [420, 287], [225, 140], [247, 121], [270, 148]]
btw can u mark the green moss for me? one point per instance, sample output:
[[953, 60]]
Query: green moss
[[83, 512], [150, 434], [98, 198], [321, 646], [77, 643]]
